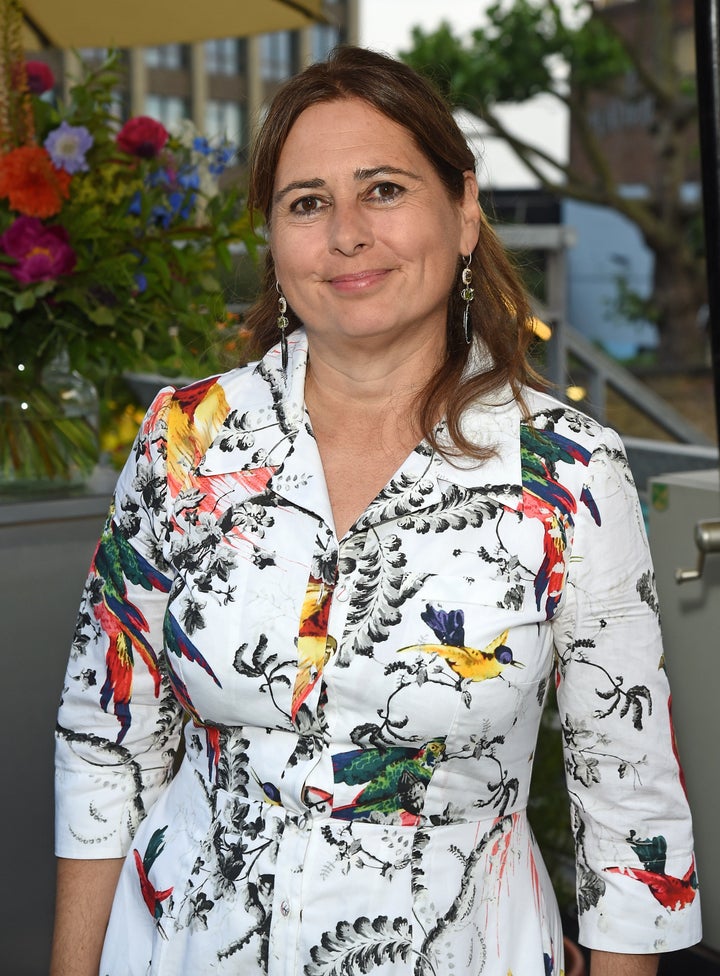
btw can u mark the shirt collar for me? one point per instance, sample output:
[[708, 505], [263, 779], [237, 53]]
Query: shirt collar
[[266, 408], [269, 427]]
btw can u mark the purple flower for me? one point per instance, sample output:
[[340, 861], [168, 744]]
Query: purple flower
[[42, 252], [67, 146]]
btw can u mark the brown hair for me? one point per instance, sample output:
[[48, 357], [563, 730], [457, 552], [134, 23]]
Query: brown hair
[[500, 311]]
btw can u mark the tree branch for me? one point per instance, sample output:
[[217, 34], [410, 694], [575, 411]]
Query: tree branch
[[664, 92]]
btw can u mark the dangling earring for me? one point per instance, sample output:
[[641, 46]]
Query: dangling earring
[[282, 324], [467, 294]]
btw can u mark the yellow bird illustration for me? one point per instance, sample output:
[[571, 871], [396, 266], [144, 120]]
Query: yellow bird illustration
[[314, 644], [473, 663], [195, 416]]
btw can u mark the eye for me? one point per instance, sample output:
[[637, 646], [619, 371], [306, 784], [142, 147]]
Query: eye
[[306, 205], [386, 192]]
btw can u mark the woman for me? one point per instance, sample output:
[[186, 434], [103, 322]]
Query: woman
[[355, 566]]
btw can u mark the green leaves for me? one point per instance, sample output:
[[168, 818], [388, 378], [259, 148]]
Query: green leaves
[[526, 49]]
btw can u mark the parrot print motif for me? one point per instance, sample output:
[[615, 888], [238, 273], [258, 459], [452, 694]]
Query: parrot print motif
[[672, 893], [396, 779], [548, 501], [316, 753], [152, 897], [117, 562]]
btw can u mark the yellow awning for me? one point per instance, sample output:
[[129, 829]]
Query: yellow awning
[[145, 23]]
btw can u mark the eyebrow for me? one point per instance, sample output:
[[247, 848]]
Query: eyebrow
[[359, 174]]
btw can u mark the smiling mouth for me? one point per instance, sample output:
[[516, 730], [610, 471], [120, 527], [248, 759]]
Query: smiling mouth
[[359, 279]]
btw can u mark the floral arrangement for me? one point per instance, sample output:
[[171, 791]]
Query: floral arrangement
[[111, 236]]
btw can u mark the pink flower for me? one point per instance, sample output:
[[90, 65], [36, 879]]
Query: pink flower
[[142, 136], [39, 77], [42, 252]]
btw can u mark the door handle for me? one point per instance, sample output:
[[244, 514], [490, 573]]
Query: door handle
[[707, 540]]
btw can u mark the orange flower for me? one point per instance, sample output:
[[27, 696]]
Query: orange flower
[[31, 183]]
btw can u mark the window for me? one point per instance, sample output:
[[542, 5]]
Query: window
[[168, 109], [224, 120], [224, 57], [323, 38], [93, 55], [277, 56], [168, 56], [120, 105]]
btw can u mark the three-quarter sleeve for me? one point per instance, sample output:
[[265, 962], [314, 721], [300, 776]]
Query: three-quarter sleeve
[[636, 875], [118, 722]]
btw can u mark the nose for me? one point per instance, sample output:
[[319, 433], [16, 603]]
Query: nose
[[350, 228]]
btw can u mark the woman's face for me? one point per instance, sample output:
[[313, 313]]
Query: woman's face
[[363, 233]]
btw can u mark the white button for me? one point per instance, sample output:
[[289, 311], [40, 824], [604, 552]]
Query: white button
[[285, 908]]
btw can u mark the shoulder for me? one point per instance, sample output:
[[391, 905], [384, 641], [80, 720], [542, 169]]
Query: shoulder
[[194, 398], [547, 414]]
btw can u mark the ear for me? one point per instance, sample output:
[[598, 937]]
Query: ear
[[470, 214]]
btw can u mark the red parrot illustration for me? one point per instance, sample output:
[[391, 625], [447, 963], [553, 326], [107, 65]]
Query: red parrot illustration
[[672, 893], [152, 897], [548, 501], [117, 562]]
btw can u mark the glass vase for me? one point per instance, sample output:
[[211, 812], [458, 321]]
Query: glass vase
[[49, 422]]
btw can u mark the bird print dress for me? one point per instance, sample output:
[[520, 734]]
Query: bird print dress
[[358, 716]]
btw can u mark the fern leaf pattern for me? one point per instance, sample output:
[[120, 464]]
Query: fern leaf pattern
[[360, 946]]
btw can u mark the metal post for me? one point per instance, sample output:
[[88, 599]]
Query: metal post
[[707, 48]]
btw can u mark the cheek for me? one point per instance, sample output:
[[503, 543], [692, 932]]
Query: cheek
[[294, 256]]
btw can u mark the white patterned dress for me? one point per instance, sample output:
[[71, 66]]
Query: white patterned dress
[[360, 714]]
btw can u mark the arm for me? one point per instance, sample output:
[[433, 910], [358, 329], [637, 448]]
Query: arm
[[84, 895], [637, 887], [617, 964], [118, 723]]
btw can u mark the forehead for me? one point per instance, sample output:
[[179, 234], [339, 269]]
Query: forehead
[[348, 129]]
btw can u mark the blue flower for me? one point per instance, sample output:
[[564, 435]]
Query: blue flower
[[201, 145], [67, 146], [221, 160], [189, 178]]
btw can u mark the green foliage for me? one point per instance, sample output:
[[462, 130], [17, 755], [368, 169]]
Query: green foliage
[[580, 55], [519, 54], [629, 304]]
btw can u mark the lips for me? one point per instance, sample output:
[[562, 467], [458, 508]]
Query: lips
[[359, 280]]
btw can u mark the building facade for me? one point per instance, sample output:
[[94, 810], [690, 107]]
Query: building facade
[[221, 85]]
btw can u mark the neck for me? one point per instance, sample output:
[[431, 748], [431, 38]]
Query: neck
[[369, 380]]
